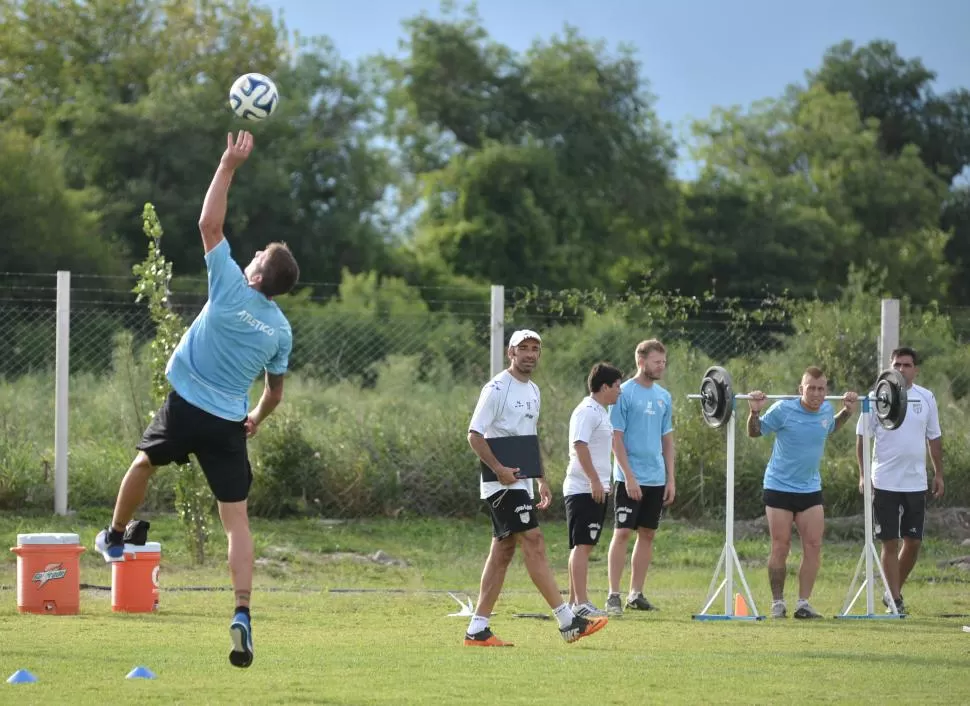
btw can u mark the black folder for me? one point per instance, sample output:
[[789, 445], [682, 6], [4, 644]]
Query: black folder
[[520, 452]]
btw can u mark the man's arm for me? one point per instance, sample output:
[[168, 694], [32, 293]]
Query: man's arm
[[506, 476], [754, 424], [214, 207], [849, 400], [622, 460], [585, 459], [859, 460], [936, 457], [270, 399], [669, 452], [841, 418]]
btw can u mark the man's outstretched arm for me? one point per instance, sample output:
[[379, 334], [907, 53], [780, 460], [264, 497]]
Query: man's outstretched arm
[[214, 207]]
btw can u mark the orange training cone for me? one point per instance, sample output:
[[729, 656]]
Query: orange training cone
[[740, 605]]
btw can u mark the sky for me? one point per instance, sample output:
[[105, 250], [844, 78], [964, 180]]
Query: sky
[[696, 54]]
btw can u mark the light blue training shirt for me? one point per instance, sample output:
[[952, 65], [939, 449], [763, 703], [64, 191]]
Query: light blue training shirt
[[800, 437], [644, 415], [238, 334]]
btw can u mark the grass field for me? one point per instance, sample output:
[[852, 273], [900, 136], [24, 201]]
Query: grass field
[[331, 626]]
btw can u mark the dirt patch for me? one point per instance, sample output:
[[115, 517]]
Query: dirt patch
[[281, 556]]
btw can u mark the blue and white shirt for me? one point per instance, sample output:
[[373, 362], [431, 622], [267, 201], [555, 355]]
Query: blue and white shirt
[[645, 416], [237, 336], [800, 437]]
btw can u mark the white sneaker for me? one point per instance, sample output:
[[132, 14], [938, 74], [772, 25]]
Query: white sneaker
[[588, 610], [779, 609]]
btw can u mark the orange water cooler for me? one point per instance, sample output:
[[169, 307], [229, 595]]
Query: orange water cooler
[[134, 581], [48, 573]]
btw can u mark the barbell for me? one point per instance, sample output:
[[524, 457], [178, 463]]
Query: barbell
[[888, 397]]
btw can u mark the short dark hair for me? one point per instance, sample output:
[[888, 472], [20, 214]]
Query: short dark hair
[[905, 350], [279, 270], [814, 372], [602, 374]]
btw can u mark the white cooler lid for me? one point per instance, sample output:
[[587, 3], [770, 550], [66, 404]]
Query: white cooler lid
[[147, 547], [48, 538]]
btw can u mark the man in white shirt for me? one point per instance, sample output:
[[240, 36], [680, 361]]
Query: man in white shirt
[[509, 406], [587, 482], [899, 480]]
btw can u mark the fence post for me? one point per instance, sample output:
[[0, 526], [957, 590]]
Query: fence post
[[497, 328], [888, 332], [61, 380]]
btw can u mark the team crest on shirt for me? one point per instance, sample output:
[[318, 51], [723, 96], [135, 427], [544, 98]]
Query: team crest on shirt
[[918, 406], [650, 409], [826, 423]]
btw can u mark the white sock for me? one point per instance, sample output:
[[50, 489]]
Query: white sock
[[802, 602], [633, 595], [477, 624], [564, 614]]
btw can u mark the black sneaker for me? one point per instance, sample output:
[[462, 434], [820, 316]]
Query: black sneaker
[[110, 544], [638, 602], [485, 638], [582, 627], [806, 612], [900, 606]]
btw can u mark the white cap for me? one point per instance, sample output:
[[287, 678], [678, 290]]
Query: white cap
[[523, 335]]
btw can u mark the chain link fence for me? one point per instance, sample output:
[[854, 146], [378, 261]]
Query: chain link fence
[[384, 380]]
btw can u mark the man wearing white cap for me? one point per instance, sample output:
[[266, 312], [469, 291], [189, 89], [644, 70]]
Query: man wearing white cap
[[509, 406]]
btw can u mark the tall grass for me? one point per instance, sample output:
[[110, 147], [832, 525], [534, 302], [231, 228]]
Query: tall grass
[[392, 441]]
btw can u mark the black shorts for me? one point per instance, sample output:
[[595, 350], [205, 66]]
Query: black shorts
[[898, 514], [793, 502], [584, 519], [512, 511], [179, 429], [628, 514]]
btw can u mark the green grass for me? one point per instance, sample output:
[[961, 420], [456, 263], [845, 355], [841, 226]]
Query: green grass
[[316, 643]]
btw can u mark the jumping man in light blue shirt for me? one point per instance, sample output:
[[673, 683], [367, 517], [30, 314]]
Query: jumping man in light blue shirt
[[239, 335], [793, 484]]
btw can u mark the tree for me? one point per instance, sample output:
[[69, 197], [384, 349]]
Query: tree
[[956, 221], [797, 193], [135, 91], [898, 92], [47, 226], [531, 166]]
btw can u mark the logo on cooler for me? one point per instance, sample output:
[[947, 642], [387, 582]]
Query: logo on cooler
[[51, 572]]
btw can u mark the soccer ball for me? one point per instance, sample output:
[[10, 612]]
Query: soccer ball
[[253, 96]]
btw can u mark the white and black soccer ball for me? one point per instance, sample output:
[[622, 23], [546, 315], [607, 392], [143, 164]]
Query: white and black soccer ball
[[253, 96]]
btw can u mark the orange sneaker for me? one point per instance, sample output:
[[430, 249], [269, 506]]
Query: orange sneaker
[[485, 638], [582, 627]]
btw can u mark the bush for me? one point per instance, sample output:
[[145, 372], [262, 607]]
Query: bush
[[391, 440]]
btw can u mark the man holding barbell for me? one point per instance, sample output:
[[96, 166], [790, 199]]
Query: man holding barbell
[[899, 481], [792, 482]]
